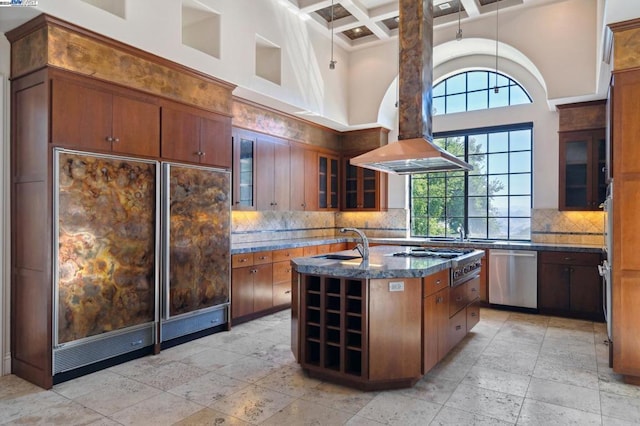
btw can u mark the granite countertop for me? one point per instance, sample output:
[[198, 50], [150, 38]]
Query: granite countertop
[[381, 264], [501, 245]]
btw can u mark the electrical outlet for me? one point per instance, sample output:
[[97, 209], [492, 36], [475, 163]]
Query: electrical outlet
[[396, 286]]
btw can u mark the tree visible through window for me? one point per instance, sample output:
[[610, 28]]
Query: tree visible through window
[[493, 201]]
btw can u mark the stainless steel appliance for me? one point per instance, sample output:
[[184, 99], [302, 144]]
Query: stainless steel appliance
[[605, 268], [465, 262], [513, 278]]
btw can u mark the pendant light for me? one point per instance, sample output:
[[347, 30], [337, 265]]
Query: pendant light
[[495, 87], [459, 33], [332, 62]]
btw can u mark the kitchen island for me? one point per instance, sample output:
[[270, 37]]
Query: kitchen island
[[385, 322]]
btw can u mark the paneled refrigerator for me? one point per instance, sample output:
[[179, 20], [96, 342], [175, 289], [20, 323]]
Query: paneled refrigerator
[[142, 253]]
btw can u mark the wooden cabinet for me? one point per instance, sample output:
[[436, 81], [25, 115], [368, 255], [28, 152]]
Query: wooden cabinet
[[328, 184], [304, 182], [569, 285], [282, 275], [272, 173], [195, 136], [362, 189], [435, 319], [91, 116], [583, 180], [244, 170], [251, 283]]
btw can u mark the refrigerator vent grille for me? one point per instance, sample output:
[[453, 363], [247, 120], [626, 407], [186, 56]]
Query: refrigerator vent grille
[[78, 355], [181, 326]]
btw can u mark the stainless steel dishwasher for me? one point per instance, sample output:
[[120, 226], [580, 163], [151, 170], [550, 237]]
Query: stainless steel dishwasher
[[513, 278]]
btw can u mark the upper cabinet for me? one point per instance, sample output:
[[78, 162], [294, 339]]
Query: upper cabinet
[[328, 187], [196, 136], [244, 170], [363, 189], [582, 156], [273, 173], [582, 170], [304, 181], [90, 115]]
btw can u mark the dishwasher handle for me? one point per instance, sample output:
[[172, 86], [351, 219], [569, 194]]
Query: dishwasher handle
[[512, 254]]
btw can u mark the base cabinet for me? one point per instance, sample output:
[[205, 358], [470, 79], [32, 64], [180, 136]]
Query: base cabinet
[[569, 285]]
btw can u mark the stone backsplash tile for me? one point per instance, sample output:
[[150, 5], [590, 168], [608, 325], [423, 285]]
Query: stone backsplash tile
[[567, 227]]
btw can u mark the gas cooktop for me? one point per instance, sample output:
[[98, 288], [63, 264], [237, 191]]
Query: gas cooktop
[[441, 252]]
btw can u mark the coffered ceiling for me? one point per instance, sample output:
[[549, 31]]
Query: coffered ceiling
[[360, 23]]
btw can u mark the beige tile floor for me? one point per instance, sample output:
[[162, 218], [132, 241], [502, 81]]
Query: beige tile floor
[[511, 369]]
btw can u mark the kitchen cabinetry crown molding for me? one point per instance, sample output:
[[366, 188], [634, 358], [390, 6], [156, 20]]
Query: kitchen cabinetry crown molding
[[252, 116], [626, 43], [48, 41], [582, 115]]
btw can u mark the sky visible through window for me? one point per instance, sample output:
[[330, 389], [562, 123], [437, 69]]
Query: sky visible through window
[[474, 90]]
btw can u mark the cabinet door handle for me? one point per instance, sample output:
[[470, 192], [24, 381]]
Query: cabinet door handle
[[568, 258], [262, 257], [473, 314], [288, 270], [458, 327], [108, 139], [253, 271], [437, 282], [243, 260], [287, 292], [474, 289], [459, 299], [439, 300], [116, 139]]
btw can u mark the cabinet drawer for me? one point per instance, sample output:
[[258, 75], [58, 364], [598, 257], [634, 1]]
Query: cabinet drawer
[[569, 258], [282, 272], [262, 257], [473, 314], [286, 254], [473, 289], [457, 328], [240, 260], [435, 282], [457, 299], [282, 293]]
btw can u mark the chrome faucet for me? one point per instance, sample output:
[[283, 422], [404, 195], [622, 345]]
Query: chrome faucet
[[461, 232], [363, 248]]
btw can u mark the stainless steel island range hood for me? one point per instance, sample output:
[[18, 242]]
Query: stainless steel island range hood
[[414, 152]]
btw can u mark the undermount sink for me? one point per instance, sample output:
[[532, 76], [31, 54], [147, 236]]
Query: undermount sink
[[337, 256]]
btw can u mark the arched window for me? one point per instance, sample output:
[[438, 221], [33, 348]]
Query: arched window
[[476, 90]]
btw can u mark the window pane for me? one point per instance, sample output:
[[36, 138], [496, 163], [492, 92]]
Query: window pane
[[498, 163], [499, 142], [419, 226], [520, 206], [478, 144], [498, 185], [520, 229], [455, 186], [520, 162], [456, 84], [455, 207], [498, 206], [477, 100], [455, 146], [477, 206], [520, 140], [436, 207], [438, 106], [498, 229], [477, 80], [477, 228], [520, 184], [478, 185], [517, 96], [438, 89], [499, 99], [479, 163], [456, 103], [436, 187]]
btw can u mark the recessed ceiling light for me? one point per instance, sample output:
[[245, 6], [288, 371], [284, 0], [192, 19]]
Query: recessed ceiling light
[[444, 6], [357, 30], [397, 19]]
